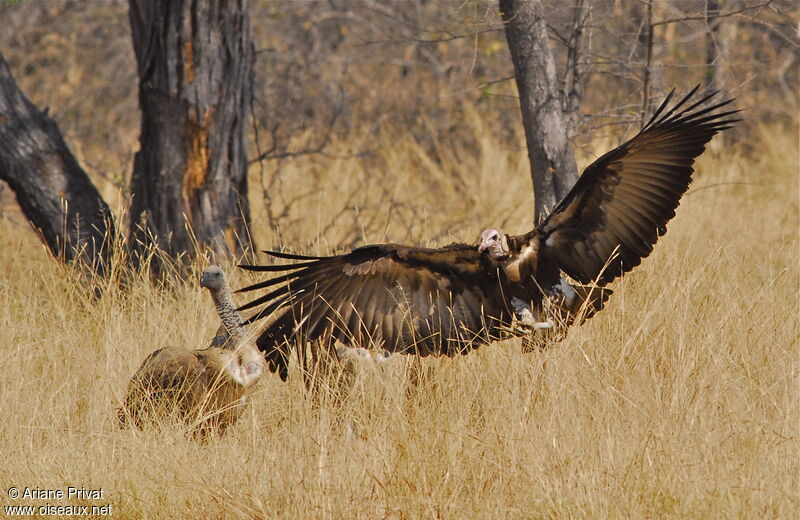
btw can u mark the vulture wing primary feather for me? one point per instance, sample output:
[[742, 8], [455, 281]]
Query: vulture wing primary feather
[[456, 298], [402, 299], [624, 199]]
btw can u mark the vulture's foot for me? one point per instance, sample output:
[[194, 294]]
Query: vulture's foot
[[526, 323]]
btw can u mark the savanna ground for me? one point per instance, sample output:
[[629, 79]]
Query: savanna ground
[[680, 400]]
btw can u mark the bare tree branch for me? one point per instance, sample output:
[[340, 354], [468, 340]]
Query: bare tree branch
[[703, 17]]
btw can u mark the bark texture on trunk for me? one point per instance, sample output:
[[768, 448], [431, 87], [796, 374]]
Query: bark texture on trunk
[[553, 168], [195, 61], [54, 192], [716, 44]]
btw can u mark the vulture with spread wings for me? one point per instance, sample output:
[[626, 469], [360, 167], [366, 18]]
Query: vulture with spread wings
[[455, 298]]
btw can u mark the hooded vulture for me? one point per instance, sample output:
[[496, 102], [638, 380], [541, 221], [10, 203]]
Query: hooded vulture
[[455, 298]]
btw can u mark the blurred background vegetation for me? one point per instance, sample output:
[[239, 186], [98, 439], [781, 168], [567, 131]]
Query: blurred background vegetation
[[346, 80]]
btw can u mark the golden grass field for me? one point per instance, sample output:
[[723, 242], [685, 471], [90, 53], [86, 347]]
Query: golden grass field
[[679, 400]]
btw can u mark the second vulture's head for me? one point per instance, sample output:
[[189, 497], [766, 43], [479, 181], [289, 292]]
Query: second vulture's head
[[495, 242], [213, 278]]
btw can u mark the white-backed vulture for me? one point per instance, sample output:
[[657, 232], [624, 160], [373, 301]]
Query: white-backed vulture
[[456, 298], [206, 388]]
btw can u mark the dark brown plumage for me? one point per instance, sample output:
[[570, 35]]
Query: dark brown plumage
[[626, 197], [456, 298]]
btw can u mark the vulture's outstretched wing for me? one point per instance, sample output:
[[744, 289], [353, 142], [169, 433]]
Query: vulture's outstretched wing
[[402, 299], [623, 200], [453, 299]]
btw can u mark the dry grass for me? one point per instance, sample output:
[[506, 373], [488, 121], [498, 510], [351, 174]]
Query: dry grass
[[680, 400]]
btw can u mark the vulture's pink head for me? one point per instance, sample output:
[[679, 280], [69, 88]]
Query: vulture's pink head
[[494, 241]]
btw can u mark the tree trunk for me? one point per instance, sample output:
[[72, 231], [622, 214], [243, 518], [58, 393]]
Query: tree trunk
[[551, 156], [54, 192], [646, 40], [715, 46], [195, 78]]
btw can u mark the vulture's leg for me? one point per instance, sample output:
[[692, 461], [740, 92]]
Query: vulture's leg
[[525, 319], [537, 335]]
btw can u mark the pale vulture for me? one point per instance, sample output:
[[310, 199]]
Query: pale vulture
[[206, 388], [456, 298]]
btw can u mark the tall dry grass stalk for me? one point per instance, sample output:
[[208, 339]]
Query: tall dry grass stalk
[[679, 400]]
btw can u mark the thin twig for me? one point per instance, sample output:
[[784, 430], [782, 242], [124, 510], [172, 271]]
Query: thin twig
[[719, 15]]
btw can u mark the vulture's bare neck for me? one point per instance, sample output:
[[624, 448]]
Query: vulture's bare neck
[[227, 313]]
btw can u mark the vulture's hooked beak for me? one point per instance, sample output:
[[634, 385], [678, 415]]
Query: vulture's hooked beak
[[494, 241]]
